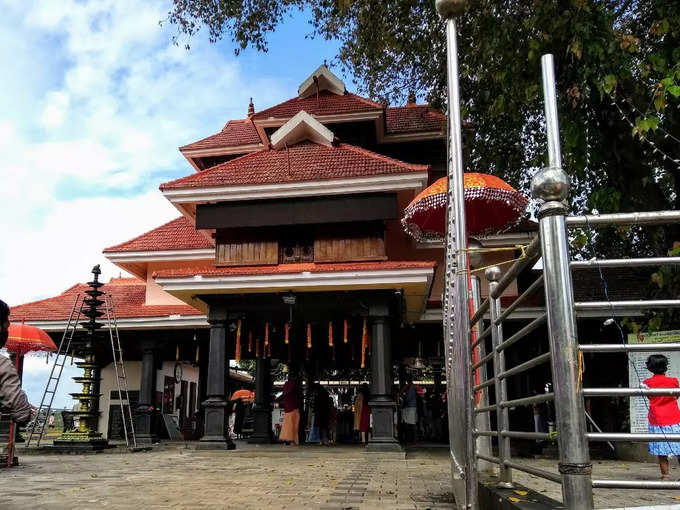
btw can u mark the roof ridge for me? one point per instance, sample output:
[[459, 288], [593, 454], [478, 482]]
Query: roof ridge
[[120, 245], [366, 100]]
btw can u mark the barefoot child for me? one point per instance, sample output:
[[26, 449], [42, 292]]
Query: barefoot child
[[664, 415]]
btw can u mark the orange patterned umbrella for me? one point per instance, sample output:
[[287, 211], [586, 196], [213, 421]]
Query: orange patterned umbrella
[[491, 206], [24, 338]]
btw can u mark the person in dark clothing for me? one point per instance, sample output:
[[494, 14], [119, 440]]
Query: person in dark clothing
[[321, 411], [13, 401]]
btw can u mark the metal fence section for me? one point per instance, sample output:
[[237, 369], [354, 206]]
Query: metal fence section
[[550, 186]]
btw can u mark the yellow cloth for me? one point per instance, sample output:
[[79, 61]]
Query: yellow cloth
[[290, 427]]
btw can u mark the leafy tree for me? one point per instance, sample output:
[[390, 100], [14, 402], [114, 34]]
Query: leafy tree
[[607, 52]]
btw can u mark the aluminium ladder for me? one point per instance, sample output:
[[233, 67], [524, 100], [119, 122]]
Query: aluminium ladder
[[121, 378], [43, 413]]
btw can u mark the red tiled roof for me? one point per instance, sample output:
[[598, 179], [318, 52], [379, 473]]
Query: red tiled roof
[[414, 118], [236, 132], [178, 234], [306, 161], [210, 271], [128, 295], [326, 104]]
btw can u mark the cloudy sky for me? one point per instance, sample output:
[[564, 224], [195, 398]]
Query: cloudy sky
[[95, 99]]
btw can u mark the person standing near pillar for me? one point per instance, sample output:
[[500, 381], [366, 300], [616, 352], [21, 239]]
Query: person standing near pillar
[[365, 416], [291, 411]]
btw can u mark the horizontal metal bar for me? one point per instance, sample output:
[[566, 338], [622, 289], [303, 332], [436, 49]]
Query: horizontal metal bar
[[636, 218], [481, 337], [630, 392], [483, 385], [534, 324], [483, 308], [627, 305], [527, 401], [494, 460], [533, 252], [485, 409], [541, 473], [639, 438], [522, 367], [635, 484], [641, 262], [516, 434], [483, 361], [659, 347], [489, 433], [528, 292]]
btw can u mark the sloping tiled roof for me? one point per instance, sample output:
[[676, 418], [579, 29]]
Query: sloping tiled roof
[[235, 133], [178, 234], [128, 295], [327, 103], [211, 270], [414, 118], [306, 161]]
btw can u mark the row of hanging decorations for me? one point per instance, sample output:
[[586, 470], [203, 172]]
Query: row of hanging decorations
[[264, 348]]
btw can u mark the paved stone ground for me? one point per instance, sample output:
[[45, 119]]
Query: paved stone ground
[[273, 477]]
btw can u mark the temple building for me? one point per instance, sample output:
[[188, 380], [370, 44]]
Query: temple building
[[288, 247]]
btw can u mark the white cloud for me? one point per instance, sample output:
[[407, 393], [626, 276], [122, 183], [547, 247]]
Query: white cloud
[[86, 147]]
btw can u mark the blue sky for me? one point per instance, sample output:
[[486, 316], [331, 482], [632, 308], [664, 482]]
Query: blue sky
[[94, 101]]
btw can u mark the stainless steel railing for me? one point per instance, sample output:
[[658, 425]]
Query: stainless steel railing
[[550, 187]]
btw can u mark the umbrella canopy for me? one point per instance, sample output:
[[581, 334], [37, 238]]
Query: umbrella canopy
[[24, 338], [245, 395], [491, 207]]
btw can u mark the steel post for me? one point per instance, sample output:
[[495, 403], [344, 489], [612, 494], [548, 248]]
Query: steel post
[[483, 420], [493, 275], [551, 186], [460, 397]]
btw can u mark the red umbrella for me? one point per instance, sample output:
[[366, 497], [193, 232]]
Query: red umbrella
[[491, 206], [245, 395], [23, 339]]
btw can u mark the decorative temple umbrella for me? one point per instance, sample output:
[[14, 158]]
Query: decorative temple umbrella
[[491, 207], [23, 339]]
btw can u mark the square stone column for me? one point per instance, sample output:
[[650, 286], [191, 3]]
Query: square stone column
[[382, 402], [215, 435], [144, 411], [262, 410]]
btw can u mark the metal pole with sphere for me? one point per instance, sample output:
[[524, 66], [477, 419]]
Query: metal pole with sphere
[[460, 397], [551, 186]]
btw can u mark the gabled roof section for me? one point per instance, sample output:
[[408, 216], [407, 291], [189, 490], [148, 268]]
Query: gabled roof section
[[129, 295], [413, 119], [301, 127], [321, 80], [327, 103], [178, 234], [234, 134], [305, 161]]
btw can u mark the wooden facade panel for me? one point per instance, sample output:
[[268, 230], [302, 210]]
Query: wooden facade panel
[[247, 253], [349, 249]]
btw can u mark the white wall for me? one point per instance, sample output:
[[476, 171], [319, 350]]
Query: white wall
[[133, 371]]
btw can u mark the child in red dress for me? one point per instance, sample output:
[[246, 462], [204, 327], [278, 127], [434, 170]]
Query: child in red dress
[[664, 415]]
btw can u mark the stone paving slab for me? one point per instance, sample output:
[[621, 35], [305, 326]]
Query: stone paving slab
[[274, 477]]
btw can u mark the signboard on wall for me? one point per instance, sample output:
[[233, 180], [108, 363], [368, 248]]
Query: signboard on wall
[[637, 372]]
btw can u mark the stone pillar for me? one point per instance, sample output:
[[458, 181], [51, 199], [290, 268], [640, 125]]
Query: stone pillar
[[215, 423], [262, 410], [382, 401], [147, 388]]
